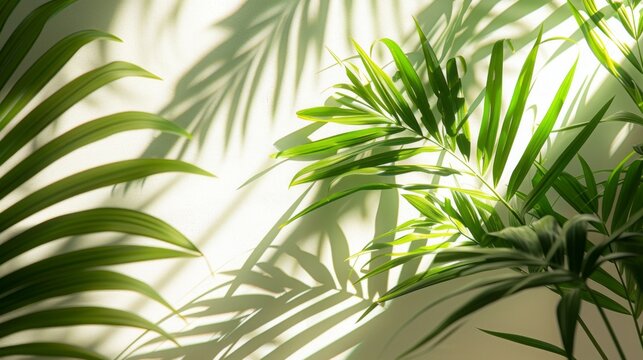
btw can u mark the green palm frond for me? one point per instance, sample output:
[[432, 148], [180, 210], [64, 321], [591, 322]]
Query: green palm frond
[[77, 271], [626, 13], [467, 224]]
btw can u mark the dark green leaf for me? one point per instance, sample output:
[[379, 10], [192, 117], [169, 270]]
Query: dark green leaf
[[47, 111], [528, 341], [43, 70], [80, 136], [561, 162], [609, 192], [81, 281], [77, 316], [446, 104], [630, 185], [575, 231], [50, 349], [590, 183], [367, 162], [23, 37], [567, 314], [6, 8], [95, 178], [93, 221], [388, 92], [492, 107], [492, 294], [68, 264]]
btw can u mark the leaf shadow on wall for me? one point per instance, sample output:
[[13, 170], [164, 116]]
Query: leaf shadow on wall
[[280, 294]]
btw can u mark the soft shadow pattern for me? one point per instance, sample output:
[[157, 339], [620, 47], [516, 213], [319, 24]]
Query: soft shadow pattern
[[279, 291], [224, 83], [282, 285]]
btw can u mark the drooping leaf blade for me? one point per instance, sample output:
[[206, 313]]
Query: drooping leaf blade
[[528, 341], [80, 136], [77, 316], [567, 313], [24, 36], [563, 160], [43, 70], [97, 177], [50, 349], [97, 220], [52, 107]]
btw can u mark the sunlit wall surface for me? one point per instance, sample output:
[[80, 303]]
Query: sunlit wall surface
[[233, 74]]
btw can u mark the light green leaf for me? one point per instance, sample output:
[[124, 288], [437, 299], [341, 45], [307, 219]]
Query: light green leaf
[[337, 142], [350, 153], [620, 116], [598, 19], [539, 138], [425, 207], [367, 162], [394, 170], [341, 116], [382, 186], [515, 111]]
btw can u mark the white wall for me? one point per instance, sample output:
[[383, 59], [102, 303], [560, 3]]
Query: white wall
[[199, 48]]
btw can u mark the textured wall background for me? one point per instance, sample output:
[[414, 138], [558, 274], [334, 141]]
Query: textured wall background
[[234, 74]]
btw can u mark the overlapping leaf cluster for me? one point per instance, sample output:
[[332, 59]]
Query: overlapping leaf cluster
[[499, 220], [77, 271], [630, 18]]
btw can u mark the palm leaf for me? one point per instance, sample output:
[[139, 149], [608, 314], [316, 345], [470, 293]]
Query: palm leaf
[[525, 340], [64, 274], [467, 233], [540, 135]]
